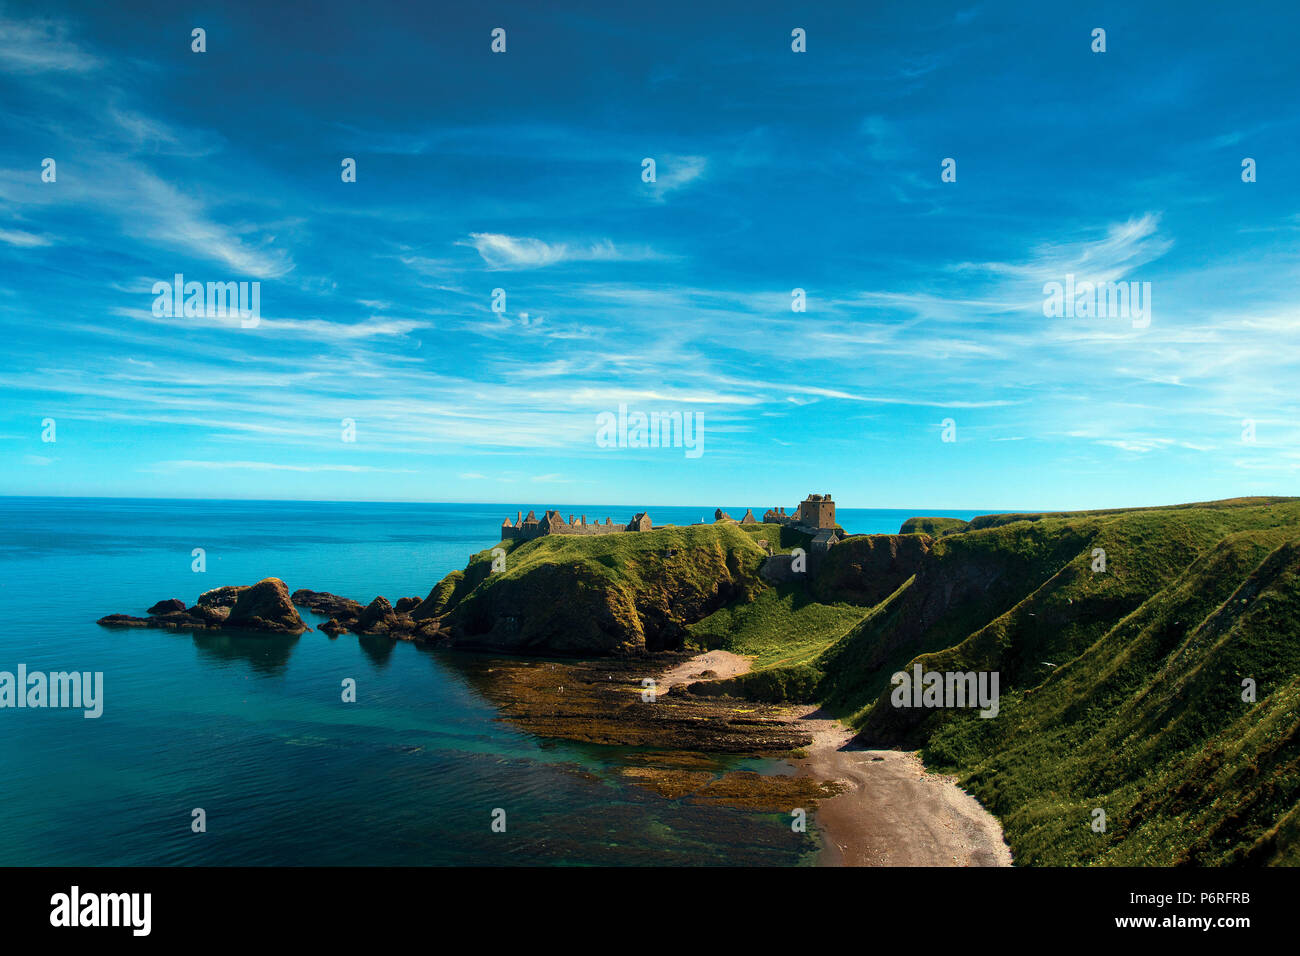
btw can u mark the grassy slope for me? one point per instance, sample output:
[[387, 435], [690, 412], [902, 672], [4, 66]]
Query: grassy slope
[[1142, 715], [781, 627]]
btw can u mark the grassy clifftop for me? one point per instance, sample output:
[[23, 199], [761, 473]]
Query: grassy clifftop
[[615, 593], [934, 527]]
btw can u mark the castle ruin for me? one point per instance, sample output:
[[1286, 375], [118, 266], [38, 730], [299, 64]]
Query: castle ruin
[[552, 522], [814, 516]]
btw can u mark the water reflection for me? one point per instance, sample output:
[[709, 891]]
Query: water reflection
[[267, 654]]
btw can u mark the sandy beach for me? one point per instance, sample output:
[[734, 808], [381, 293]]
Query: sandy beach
[[711, 665], [893, 811]]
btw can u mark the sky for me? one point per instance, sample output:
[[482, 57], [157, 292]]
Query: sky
[[921, 373]]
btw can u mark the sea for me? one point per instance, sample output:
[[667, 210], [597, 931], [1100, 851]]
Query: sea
[[249, 735]]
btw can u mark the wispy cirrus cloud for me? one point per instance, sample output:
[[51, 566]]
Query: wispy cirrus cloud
[[673, 173], [504, 252], [273, 466], [38, 46], [1124, 247], [17, 237]]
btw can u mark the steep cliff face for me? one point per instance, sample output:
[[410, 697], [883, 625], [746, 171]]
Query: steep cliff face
[[958, 584], [612, 594], [865, 569]]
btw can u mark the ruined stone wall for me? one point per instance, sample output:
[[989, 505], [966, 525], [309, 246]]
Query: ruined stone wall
[[527, 530]]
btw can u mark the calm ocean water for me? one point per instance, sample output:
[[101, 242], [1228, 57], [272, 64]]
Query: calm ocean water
[[253, 731]]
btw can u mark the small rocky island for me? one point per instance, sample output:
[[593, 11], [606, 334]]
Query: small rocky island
[[264, 606]]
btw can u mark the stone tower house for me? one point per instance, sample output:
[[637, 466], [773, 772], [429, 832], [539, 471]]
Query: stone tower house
[[817, 511]]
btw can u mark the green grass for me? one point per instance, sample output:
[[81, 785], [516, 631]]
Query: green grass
[[1141, 715], [780, 627], [934, 527], [628, 558]]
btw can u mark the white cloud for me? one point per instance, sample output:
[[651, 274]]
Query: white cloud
[[675, 172], [274, 466], [16, 237], [525, 252], [38, 46], [1126, 246]]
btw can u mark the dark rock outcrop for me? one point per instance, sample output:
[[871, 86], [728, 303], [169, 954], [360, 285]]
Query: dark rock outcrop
[[220, 597], [264, 606], [197, 618], [378, 618], [343, 609], [124, 620]]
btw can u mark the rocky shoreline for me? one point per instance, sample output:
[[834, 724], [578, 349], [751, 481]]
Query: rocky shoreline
[[268, 607]]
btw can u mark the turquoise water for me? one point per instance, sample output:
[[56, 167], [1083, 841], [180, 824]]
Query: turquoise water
[[253, 730]]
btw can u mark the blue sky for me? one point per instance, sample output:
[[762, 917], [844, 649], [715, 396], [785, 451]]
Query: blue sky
[[775, 170]]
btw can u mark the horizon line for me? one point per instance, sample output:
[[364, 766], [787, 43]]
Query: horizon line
[[644, 507]]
